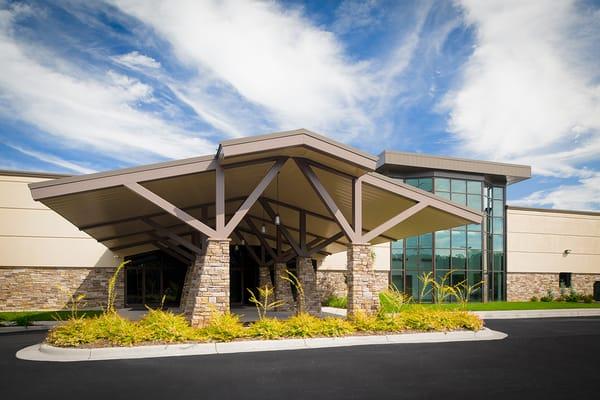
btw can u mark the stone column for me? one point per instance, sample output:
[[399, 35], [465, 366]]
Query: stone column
[[362, 295], [264, 276], [283, 289], [208, 283], [308, 279]]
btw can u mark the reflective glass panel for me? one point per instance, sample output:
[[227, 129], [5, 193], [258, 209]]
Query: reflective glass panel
[[474, 187], [498, 243], [474, 240], [412, 259], [474, 201], [412, 181], [459, 186], [426, 257], [445, 195], [497, 193], [426, 184], [397, 258], [442, 239], [398, 281], [412, 241], [459, 239], [412, 285], [498, 225], [474, 227], [498, 287], [425, 240], [459, 198], [442, 185], [459, 259], [442, 258], [474, 279], [498, 208], [498, 261], [474, 261]]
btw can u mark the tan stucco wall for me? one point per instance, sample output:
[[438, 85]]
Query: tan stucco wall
[[31, 235], [537, 240], [337, 261]]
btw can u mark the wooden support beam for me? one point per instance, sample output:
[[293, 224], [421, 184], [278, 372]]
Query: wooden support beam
[[392, 222], [260, 237], [162, 231], [357, 205], [324, 243], [220, 202], [173, 254], [171, 209], [173, 248], [326, 198], [248, 248], [251, 199], [302, 225]]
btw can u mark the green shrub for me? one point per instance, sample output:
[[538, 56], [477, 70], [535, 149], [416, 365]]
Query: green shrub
[[332, 326], [165, 326], [588, 298], [364, 322], [224, 327], [534, 299], [267, 328], [302, 325], [336, 301], [392, 300]]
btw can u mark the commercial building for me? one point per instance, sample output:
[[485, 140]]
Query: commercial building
[[201, 231]]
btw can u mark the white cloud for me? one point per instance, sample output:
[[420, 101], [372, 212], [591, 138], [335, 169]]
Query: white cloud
[[582, 196], [49, 158], [135, 60], [530, 89], [265, 58], [91, 113]]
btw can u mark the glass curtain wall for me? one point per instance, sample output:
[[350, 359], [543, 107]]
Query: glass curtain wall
[[460, 249]]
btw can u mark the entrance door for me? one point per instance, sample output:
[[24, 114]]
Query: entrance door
[[151, 276]]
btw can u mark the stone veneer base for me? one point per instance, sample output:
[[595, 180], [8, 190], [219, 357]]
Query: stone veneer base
[[51, 288], [45, 352], [522, 286]]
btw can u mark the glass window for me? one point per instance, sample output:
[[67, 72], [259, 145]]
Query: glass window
[[498, 225], [425, 258], [474, 240], [459, 186], [412, 285], [412, 182], [426, 240], [412, 242], [445, 195], [498, 286], [498, 208], [498, 261], [443, 276], [474, 261], [398, 281], [459, 239], [460, 228], [426, 184], [498, 243], [397, 258], [442, 239], [474, 187], [412, 259], [459, 198], [564, 279], [442, 258], [442, 184], [398, 244], [474, 227], [497, 193], [459, 259], [474, 201], [474, 278], [458, 277]]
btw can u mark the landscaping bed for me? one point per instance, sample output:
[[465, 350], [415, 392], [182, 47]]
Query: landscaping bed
[[164, 327]]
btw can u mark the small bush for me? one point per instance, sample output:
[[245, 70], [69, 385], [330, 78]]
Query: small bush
[[336, 301], [224, 327], [364, 322], [534, 299], [164, 326], [267, 328], [588, 298], [392, 300], [332, 326], [302, 325]]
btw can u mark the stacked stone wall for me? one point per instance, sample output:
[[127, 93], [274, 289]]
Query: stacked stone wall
[[524, 286], [283, 288], [308, 278], [52, 288], [362, 288]]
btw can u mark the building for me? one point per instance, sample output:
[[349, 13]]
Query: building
[[201, 231]]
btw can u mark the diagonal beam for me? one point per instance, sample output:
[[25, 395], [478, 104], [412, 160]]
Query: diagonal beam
[[248, 248], [390, 223], [324, 243], [171, 209], [295, 245], [260, 237], [326, 198], [251, 199], [172, 253], [171, 247], [162, 231]]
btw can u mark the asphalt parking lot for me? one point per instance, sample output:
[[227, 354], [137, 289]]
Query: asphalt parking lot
[[541, 359]]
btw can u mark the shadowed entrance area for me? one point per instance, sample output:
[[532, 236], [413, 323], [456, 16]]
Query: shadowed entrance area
[[287, 198]]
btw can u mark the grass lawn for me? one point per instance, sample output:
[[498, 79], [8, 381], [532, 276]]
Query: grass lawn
[[518, 305], [20, 317]]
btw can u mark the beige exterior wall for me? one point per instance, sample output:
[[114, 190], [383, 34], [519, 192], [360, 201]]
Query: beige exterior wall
[[537, 240], [31, 235], [337, 261]]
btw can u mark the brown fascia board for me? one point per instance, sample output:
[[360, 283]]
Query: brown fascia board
[[554, 210], [512, 172], [32, 174], [298, 137], [420, 195], [101, 180]]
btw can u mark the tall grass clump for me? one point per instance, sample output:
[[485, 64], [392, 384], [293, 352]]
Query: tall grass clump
[[336, 301], [224, 327]]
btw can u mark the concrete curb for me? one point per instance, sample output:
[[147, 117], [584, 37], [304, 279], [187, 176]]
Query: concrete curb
[[518, 314], [45, 352]]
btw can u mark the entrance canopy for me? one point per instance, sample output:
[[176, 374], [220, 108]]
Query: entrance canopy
[[293, 193]]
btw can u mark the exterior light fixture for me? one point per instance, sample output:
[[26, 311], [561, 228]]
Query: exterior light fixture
[[243, 242], [567, 251], [237, 247], [263, 228], [277, 220]]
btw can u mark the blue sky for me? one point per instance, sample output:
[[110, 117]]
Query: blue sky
[[89, 85]]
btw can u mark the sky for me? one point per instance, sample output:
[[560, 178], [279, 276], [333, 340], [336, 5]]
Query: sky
[[88, 86]]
